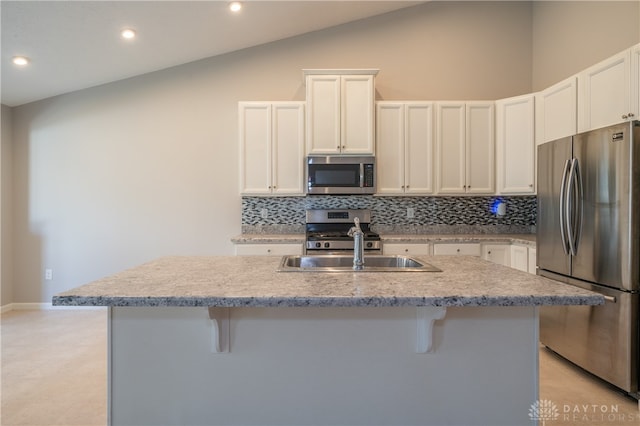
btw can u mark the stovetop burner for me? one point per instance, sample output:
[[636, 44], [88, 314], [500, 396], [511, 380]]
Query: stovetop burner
[[327, 231]]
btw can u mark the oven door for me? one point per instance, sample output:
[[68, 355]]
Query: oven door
[[340, 175]]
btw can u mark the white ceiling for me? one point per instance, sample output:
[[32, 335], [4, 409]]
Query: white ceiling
[[76, 44]]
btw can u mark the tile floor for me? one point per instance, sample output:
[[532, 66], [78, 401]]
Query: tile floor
[[54, 373]]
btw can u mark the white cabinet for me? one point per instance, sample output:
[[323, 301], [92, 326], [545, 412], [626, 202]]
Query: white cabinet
[[497, 253], [411, 249], [268, 249], [271, 148], [606, 93], [340, 111], [465, 147], [533, 266], [515, 145], [556, 111], [466, 249], [635, 83], [404, 145], [520, 257]]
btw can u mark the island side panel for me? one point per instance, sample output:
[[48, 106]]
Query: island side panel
[[330, 366]]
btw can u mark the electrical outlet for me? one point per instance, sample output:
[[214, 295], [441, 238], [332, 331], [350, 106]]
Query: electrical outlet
[[48, 274], [264, 213], [410, 212]]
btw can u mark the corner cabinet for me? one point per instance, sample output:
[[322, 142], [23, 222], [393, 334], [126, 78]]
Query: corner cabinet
[[271, 148], [465, 147], [515, 145], [340, 111], [404, 145], [556, 111]]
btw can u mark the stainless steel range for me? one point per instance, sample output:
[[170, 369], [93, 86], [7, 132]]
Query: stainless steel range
[[327, 229]]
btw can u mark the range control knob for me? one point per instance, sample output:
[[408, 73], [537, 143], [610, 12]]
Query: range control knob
[[369, 244], [327, 245], [318, 245]]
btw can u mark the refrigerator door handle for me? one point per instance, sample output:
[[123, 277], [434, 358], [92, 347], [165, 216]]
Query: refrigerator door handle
[[580, 207], [563, 206], [573, 209]]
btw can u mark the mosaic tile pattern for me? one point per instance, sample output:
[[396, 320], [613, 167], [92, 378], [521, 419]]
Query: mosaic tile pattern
[[389, 214]]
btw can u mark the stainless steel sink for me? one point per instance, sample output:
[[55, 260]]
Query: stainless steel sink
[[338, 263]]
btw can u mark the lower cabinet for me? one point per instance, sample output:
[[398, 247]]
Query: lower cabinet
[[520, 257], [268, 249], [465, 249], [497, 253], [407, 249]]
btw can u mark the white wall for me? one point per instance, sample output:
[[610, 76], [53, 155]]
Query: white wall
[[6, 228], [569, 36], [109, 177]]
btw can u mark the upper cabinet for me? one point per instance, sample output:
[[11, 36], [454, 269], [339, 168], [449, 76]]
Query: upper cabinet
[[404, 145], [465, 147], [515, 145], [556, 111], [605, 92], [271, 148], [340, 111], [635, 82]]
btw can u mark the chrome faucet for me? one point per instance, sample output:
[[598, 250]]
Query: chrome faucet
[[358, 245]]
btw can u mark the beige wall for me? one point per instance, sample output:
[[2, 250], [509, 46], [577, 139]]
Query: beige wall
[[569, 36], [6, 228], [109, 177]]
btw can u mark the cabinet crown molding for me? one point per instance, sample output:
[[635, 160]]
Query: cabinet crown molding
[[341, 71]]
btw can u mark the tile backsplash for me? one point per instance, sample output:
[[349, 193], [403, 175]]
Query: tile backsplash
[[432, 215]]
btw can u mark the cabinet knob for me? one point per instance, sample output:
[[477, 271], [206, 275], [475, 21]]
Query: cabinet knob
[[407, 186], [530, 185], [458, 250], [625, 116], [268, 250], [406, 250], [630, 114]]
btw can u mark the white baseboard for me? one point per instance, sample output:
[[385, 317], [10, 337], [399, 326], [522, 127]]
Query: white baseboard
[[43, 307]]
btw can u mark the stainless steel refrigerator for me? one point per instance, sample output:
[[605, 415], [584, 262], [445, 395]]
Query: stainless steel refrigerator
[[588, 235]]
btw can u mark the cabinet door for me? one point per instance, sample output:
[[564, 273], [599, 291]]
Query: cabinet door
[[515, 145], [480, 148], [255, 147], [390, 147], [287, 148], [606, 92], [497, 253], [532, 260], [418, 155], [416, 249], [635, 82], [467, 249], [357, 114], [450, 142], [557, 116], [323, 114], [520, 258], [268, 249]]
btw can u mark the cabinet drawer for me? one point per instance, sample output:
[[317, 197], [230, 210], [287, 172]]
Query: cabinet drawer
[[268, 249], [407, 249], [470, 249]]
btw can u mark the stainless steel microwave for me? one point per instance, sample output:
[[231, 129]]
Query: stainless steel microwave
[[341, 175]]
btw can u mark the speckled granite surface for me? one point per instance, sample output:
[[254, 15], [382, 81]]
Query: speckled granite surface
[[231, 281], [526, 239]]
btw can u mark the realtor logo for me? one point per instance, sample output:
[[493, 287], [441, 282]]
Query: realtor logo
[[543, 410]]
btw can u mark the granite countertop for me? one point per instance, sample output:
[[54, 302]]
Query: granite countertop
[[525, 239], [236, 281]]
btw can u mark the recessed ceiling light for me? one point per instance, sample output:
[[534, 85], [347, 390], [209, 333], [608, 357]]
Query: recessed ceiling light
[[235, 6], [128, 34], [20, 60]]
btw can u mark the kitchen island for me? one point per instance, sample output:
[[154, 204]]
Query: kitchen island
[[228, 340]]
